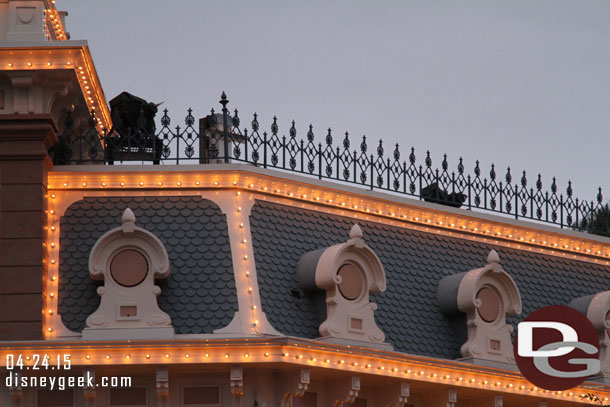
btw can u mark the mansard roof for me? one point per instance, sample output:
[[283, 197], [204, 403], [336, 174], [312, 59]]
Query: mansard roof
[[414, 264], [200, 295]]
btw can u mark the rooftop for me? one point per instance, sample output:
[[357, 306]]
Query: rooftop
[[223, 138]]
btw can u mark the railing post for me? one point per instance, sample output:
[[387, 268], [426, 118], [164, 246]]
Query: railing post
[[501, 197], [338, 162], [372, 171], [531, 198], [284, 152], [516, 201], [577, 207], [404, 177], [202, 150], [607, 217], [453, 184], [469, 192], [177, 145], [561, 210], [264, 149], [225, 125], [355, 166], [592, 218], [389, 186], [419, 175], [302, 150], [319, 160], [246, 139]]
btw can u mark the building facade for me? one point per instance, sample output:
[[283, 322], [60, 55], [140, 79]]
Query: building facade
[[223, 283]]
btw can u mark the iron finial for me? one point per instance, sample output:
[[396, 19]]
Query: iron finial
[[223, 99]]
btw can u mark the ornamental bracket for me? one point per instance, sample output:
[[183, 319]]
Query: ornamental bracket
[[348, 389], [297, 383], [163, 386], [89, 390], [394, 395], [237, 385]]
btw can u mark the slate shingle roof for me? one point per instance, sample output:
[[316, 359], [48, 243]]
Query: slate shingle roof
[[414, 263], [199, 294]]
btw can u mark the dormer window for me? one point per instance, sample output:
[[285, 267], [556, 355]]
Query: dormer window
[[490, 303], [128, 268], [352, 282]]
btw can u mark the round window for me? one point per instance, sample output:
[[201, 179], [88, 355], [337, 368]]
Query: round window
[[608, 319], [490, 304], [352, 281], [129, 268]]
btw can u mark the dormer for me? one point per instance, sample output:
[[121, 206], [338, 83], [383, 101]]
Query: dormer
[[478, 302], [597, 309], [128, 259], [348, 273]]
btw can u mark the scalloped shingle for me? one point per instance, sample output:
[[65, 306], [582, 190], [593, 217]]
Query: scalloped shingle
[[414, 263], [199, 294]]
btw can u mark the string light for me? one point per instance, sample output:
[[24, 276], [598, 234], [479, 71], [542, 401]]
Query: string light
[[442, 222]]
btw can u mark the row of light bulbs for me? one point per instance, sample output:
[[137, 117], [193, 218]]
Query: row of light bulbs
[[82, 75], [52, 272], [435, 223], [52, 17], [247, 263], [85, 85], [414, 372], [289, 194]]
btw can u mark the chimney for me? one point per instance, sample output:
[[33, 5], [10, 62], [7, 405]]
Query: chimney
[[212, 148]]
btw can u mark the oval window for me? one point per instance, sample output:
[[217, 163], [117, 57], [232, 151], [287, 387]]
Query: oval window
[[490, 304], [352, 281], [129, 268]]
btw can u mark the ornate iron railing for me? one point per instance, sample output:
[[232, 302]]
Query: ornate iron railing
[[220, 138]]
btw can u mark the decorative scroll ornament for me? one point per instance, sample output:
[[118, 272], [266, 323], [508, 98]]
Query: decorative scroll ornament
[[128, 259]]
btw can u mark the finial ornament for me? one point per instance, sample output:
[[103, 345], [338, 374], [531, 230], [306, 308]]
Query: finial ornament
[[493, 257], [128, 216], [355, 232], [223, 100], [128, 221]]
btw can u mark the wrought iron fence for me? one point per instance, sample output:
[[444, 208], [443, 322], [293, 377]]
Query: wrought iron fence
[[220, 138]]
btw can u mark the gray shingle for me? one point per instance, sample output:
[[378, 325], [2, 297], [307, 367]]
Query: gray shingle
[[414, 263], [194, 232]]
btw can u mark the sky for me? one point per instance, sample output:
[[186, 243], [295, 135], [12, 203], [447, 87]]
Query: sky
[[520, 83]]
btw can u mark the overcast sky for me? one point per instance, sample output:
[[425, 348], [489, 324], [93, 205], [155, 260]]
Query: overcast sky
[[521, 83]]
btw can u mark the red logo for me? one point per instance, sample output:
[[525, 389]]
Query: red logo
[[556, 348]]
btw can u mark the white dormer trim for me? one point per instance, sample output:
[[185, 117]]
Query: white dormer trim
[[347, 319], [146, 321], [487, 332]]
